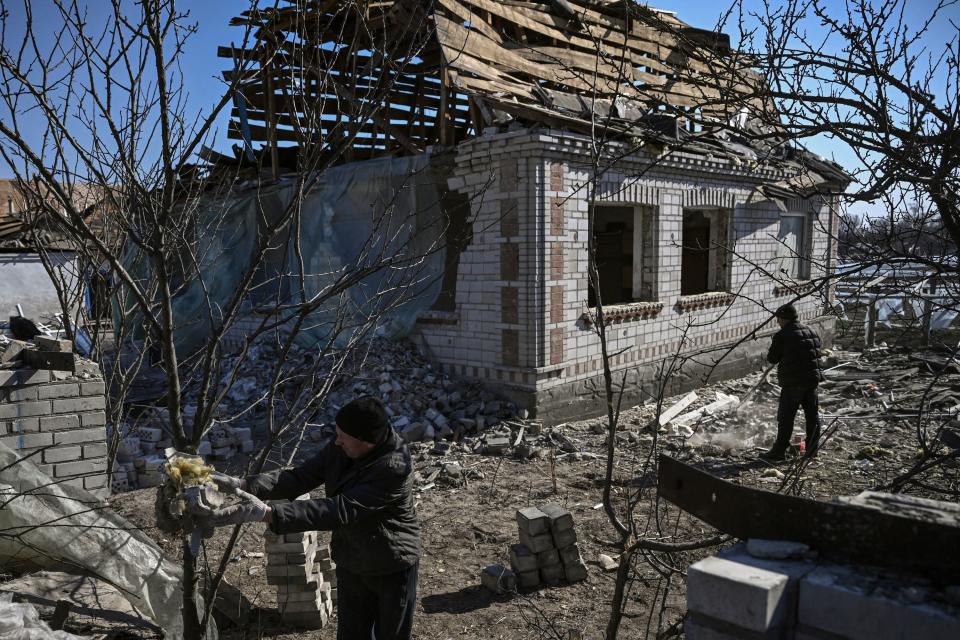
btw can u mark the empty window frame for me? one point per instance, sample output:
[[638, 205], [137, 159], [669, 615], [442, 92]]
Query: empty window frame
[[705, 255], [624, 242], [793, 246]]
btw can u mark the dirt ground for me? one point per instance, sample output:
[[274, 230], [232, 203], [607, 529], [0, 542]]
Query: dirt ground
[[469, 524]]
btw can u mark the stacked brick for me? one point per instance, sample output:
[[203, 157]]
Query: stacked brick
[[548, 553], [300, 567], [140, 454], [61, 410]]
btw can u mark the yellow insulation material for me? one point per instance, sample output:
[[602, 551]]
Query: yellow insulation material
[[188, 472]]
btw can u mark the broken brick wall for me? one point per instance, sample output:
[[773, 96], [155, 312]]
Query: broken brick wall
[[522, 321], [64, 413]]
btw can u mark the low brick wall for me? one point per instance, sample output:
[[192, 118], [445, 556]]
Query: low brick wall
[[65, 414]]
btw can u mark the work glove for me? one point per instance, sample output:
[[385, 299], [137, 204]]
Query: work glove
[[250, 509], [227, 484]]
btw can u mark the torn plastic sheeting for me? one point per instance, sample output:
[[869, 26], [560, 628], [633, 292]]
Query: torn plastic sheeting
[[21, 621], [357, 215], [939, 318], [57, 525]]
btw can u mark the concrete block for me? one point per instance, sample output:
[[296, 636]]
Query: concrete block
[[560, 518], [19, 394], [699, 628], [27, 441], [95, 482], [24, 409], [552, 574], [498, 579], [841, 601], [18, 377], [528, 579], [571, 554], [92, 388], [75, 405], [521, 559], [22, 425], [53, 344], [547, 558], [59, 423], [742, 595], [58, 391], [565, 538], [62, 454], [97, 450], [536, 544], [79, 435], [575, 572], [82, 467], [94, 419]]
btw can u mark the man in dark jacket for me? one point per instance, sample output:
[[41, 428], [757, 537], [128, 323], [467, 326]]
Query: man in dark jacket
[[368, 479], [796, 352]]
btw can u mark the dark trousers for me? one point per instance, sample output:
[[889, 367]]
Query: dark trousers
[[791, 399], [376, 607]]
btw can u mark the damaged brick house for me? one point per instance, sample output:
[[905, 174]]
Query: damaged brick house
[[698, 232]]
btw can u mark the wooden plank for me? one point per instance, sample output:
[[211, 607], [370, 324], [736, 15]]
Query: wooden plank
[[849, 532]]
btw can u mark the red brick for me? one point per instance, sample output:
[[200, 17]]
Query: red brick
[[556, 304], [556, 216], [509, 218], [510, 347], [556, 346], [509, 305], [508, 175], [556, 261], [556, 176], [509, 261]]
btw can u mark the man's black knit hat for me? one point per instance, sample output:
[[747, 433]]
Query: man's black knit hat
[[787, 312], [364, 419]]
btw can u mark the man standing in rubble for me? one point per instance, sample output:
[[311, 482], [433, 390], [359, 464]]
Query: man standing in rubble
[[796, 352], [368, 478]]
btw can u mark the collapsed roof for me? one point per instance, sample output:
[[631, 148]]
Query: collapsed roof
[[374, 78]]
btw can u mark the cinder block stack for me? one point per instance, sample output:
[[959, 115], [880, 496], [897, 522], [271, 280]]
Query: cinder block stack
[[548, 552], [301, 568]]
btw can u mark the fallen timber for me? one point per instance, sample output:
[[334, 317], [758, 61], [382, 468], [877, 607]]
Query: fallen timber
[[885, 530]]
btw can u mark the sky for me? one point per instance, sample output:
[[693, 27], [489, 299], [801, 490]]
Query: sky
[[201, 68]]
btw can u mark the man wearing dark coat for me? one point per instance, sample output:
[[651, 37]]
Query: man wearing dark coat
[[796, 352], [368, 478]]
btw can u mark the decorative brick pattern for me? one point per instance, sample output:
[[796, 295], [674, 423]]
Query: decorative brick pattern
[[556, 176], [556, 346], [510, 347], [556, 304], [508, 175], [509, 305], [509, 261], [509, 218], [556, 261], [556, 216]]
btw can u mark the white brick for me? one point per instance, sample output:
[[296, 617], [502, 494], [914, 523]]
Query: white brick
[[731, 592]]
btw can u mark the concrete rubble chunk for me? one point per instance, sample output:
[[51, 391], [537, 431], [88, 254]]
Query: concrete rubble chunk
[[607, 563], [498, 579]]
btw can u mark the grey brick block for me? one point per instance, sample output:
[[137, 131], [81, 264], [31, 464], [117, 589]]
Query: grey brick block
[[27, 441], [560, 518], [498, 579], [22, 425], [59, 423], [19, 394], [59, 391], [552, 574], [24, 409], [95, 482], [97, 450], [533, 521], [564, 538], [62, 454], [83, 467], [536, 544], [521, 559], [18, 377], [741, 595], [92, 388], [528, 579], [548, 558], [840, 601], [94, 419], [80, 435], [75, 405], [575, 572]]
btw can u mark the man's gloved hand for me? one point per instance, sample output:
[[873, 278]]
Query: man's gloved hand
[[252, 509], [227, 484]]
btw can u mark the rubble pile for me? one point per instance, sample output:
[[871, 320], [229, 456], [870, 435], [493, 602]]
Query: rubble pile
[[47, 353], [301, 568], [547, 554]]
